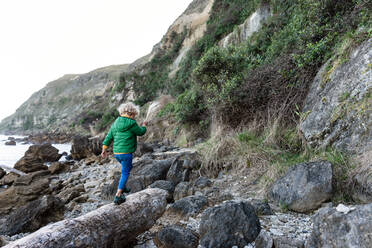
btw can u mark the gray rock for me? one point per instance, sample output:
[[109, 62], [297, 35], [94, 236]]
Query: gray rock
[[202, 182], [264, 240], [166, 185], [176, 236], [305, 186], [190, 205], [181, 190], [338, 106], [143, 148], [229, 224], [34, 215], [261, 207], [175, 173], [285, 242], [336, 229]]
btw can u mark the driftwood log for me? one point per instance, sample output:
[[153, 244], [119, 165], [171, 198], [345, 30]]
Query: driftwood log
[[108, 226]]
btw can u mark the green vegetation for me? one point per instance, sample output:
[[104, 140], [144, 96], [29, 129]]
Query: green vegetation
[[108, 117]]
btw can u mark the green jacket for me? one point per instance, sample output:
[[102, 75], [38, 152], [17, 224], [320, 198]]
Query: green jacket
[[124, 133]]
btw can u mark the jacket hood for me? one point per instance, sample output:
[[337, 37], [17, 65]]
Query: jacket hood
[[123, 124]]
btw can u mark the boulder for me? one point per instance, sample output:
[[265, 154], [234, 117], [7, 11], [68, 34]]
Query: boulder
[[24, 189], [181, 190], [83, 147], [10, 143], [332, 228], [190, 205], [45, 152], [166, 185], [30, 164], [108, 226], [176, 236], [305, 186], [337, 109], [2, 173], [33, 215], [233, 223]]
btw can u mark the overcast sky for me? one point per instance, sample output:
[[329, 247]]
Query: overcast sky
[[41, 40]]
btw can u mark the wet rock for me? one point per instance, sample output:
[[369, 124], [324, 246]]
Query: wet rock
[[33, 215], [2, 173], [69, 194], [181, 190], [58, 167], [305, 186], [176, 236], [229, 224], [166, 185], [83, 147], [336, 229], [190, 205], [10, 143]]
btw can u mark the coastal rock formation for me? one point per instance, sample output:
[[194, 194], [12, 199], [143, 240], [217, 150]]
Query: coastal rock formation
[[109, 226], [305, 186], [337, 229], [24, 189], [338, 107], [229, 224], [35, 156]]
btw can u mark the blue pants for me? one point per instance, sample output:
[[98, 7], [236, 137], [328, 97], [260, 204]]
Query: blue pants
[[126, 165]]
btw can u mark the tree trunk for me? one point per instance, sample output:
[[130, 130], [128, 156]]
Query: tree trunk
[[109, 226]]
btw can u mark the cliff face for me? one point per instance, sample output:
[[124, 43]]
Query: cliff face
[[61, 102], [79, 100]]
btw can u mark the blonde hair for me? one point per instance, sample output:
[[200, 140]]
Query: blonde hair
[[128, 108]]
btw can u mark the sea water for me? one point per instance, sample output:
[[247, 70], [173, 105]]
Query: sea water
[[9, 155]]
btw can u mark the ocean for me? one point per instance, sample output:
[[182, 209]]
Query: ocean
[[9, 155]]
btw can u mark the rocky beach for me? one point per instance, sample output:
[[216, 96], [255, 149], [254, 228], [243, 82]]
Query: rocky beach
[[199, 212]]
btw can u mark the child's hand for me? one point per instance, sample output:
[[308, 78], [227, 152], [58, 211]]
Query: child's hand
[[104, 154], [145, 123]]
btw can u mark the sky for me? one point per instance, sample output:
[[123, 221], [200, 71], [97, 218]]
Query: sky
[[42, 40]]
